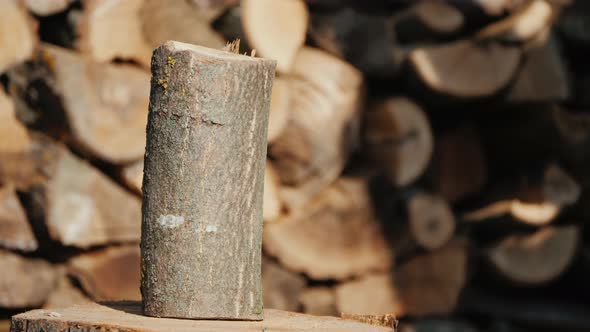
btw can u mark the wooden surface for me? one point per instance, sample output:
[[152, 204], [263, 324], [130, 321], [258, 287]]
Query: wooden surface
[[126, 316]]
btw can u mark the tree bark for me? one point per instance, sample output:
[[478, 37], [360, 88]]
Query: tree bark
[[203, 183]]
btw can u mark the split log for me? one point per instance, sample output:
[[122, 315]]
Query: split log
[[65, 294], [281, 288], [105, 106], [323, 121], [333, 237], [536, 258], [108, 274], [132, 176], [459, 165], [272, 205], [431, 220], [78, 205], [427, 20], [278, 116], [484, 68], [25, 282], [319, 301], [16, 165], [47, 7], [203, 183], [127, 316], [15, 231], [18, 34], [429, 284], [522, 25], [543, 76], [399, 139], [275, 29], [533, 203]]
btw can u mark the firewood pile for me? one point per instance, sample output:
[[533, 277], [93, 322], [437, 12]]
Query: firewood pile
[[427, 159]]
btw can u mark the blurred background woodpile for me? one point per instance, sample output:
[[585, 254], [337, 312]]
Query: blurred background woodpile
[[429, 159]]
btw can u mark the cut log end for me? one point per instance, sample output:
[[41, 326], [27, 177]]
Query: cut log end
[[432, 222]]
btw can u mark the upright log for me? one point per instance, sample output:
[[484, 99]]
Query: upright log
[[203, 183]]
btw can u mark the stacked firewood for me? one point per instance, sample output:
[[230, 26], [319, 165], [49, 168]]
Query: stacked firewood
[[427, 159]]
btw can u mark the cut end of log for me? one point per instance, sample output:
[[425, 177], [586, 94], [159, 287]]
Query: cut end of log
[[279, 111], [272, 205], [432, 222], [439, 16], [319, 301], [18, 34], [16, 232]]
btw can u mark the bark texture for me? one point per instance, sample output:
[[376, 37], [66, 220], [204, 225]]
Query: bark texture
[[203, 183]]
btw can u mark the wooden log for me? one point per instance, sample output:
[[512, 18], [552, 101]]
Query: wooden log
[[127, 316], [427, 21], [104, 106], [431, 220], [275, 29], [323, 122], [76, 204], [102, 22], [429, 284], [319, 301], [25, 282], [281, 288], [279, 109], [15, 231], [18, 34], [399, 139], [543, 76], [132, 176], [47, 7], [108, 274], [334, 237], [536, 258], [459, 167], [65, 294], [272, 205], [484, 71], [387, 320], [15, 146], [216, 129]]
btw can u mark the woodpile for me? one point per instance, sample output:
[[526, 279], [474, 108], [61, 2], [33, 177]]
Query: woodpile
[[426, 160]]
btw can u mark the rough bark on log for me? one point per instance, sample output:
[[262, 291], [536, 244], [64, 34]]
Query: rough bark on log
[[484, 69], [319, 301], [47, 7], [214, 125], [335, 236], [18, 34], [15, 231], [127, 316], [275, 29], [399, 139], [65, 294], [536, 258], [105, 106], [78, 205], [323, 121], [25, 282], [281, 288], [459, 165], [108, 274], [279, 108], [431, 220]]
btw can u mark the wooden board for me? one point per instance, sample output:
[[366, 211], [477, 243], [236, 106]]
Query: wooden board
[[126, 316]]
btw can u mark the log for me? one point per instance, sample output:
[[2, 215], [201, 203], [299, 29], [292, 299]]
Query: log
[[386, 320], [279, 109], [275, 29], [108, 274], [372, 294], [16, 165], [431, 220], [318, 301], [399, 139], [127, 316], [281, 288], [459, 168], [47, 7], [323, 123], [536, 258], [104, 106], [26, 282], [132, 176], [427, 21], [19, 34], [484, 70], [15, 231], [215, 129], [65, 294], [543, 76], [76, 204], [334, 237], [272, 205]]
